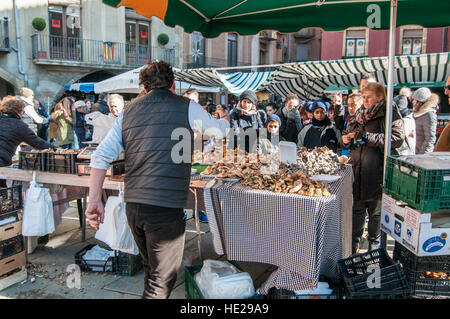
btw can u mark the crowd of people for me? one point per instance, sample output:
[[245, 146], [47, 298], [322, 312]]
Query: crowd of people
[[156, 188]]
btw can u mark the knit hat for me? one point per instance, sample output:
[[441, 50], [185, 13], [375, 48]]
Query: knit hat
[[319, 104], [26, 92], [274, 117], [308, 106], [78, 104], [249, 95], [422, 94]]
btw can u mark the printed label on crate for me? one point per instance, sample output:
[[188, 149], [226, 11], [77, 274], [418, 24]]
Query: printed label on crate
[[412, 218], [388, 204], [398, 228], [435, 243]]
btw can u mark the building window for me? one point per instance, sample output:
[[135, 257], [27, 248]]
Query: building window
[[232, 49], [65, 32], [198, 49], [355, 43], [412, 41], [137, 35]]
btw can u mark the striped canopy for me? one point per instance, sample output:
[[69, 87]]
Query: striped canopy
[[310, 79], [235, 83]]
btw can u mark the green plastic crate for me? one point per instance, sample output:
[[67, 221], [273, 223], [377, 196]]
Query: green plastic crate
[[200, 167], [126, 264], [192, 291], [427, 190]]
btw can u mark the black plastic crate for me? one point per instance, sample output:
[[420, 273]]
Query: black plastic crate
[[61, 163], [11, 246], [126, 264], [420, 272], [424, 263], [97, 266], [354, 270], [32, 160], [10, 199]]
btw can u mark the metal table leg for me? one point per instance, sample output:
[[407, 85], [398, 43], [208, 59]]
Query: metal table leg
[[83, 219], [197, 222]]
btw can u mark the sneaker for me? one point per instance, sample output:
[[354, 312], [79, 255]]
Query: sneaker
[[202, 217]]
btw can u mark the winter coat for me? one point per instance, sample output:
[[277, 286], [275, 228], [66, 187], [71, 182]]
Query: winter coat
[[367, 159], [14, 131], [101, 106], [240, 122], [317, 136], [290, 127], [65, 133], [426, 123], [30, 116]]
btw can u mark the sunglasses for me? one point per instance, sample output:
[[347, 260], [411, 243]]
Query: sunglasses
[[447, 87]]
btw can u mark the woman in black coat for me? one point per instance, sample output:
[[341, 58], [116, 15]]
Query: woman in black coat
[[14, 131], [364, 136], [243, 118]]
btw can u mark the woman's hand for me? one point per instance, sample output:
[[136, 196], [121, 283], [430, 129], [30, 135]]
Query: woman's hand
[[348, 137]]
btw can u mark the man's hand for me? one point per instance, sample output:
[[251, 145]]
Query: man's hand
[[95, 213], [337, 98]]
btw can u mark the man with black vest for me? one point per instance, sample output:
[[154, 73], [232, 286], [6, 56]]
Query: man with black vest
[[156, 181]]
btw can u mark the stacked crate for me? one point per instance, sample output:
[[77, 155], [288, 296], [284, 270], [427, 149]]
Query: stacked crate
[[416, 214], [12, 250]]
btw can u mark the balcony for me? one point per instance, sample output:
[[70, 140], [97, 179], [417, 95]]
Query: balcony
[[56, 50], [4, 36]]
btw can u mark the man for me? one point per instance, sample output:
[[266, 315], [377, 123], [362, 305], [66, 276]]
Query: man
[[101, 105], [102, 123], [30, 116], [192, 94], [443, 143], [366, 79], [156, 182]]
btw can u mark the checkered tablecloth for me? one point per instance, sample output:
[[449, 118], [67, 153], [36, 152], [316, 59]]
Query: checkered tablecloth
[[303, 236]]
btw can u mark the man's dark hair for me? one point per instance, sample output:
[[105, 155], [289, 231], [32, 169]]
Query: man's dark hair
[[156, 75]]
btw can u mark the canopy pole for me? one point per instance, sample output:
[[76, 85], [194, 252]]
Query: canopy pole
[[390, 97], [390, 84]]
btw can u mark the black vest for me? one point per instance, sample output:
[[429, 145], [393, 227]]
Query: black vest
[[151, 176]]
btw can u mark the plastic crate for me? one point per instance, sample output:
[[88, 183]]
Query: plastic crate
[[191, 289], [427, 190], [415, 269], [11, 217], [11, 246], [61, 163], [93, 265], [10, 199], [355, 272], [126, 264], [34, 161]]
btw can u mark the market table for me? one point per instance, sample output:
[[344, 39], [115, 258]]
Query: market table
[[83, 181], [303, 236]]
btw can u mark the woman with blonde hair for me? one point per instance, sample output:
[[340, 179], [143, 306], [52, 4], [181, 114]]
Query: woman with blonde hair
[[364, 136], [65, 118]]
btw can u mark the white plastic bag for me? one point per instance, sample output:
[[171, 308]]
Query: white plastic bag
[[115, 231], [38, 217], [221, 280]]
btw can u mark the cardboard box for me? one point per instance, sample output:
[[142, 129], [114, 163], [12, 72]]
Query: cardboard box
[[425, 234], [18, 276]]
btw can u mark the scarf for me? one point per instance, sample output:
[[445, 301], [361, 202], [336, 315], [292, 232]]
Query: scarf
[[362, 116], [325, 122], [249, 112]]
